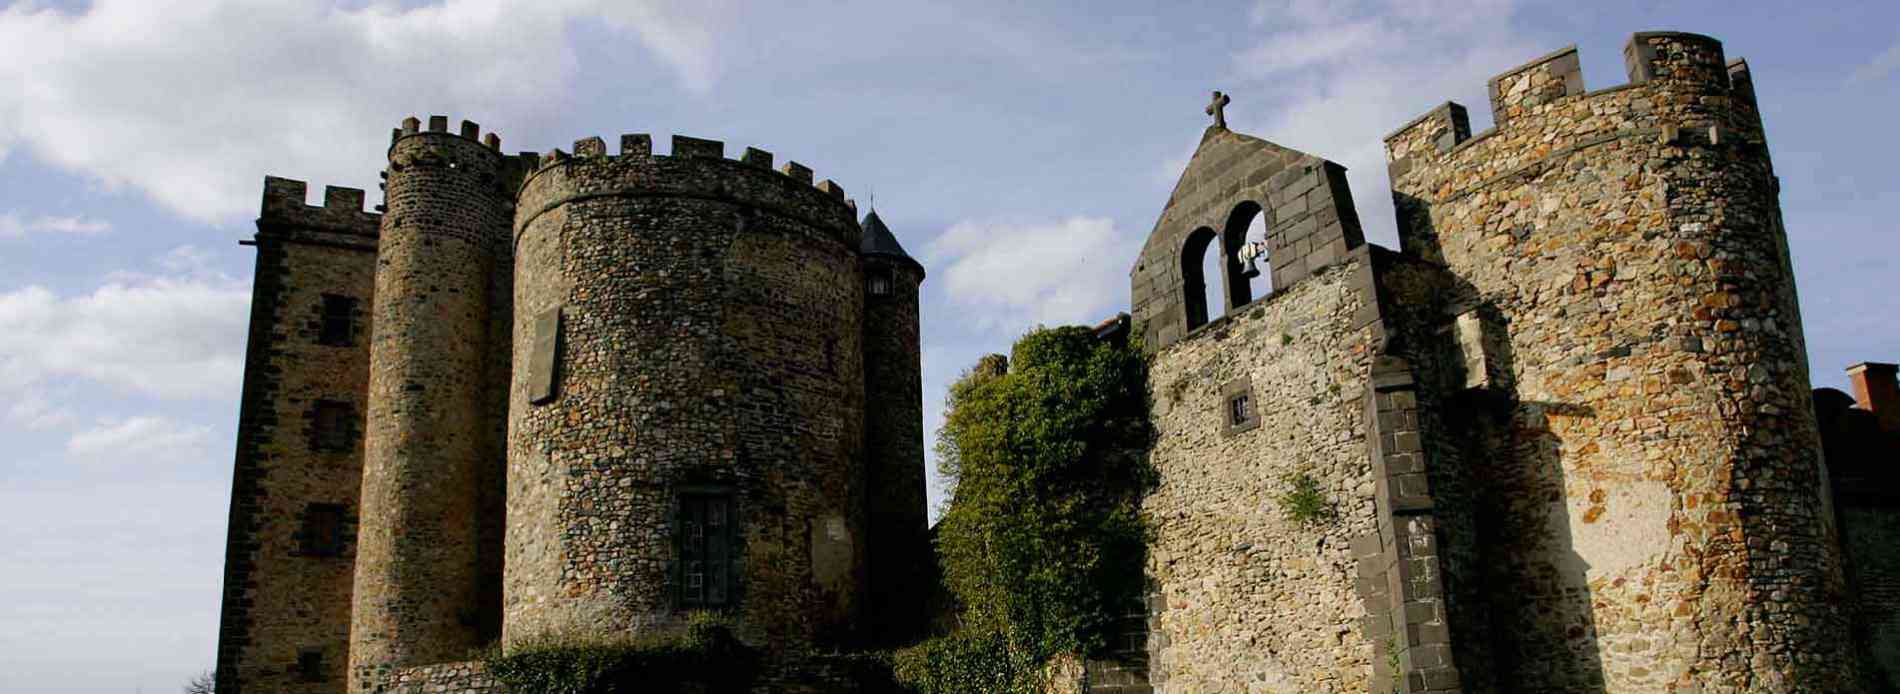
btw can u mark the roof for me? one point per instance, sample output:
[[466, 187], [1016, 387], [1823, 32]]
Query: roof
[[878, 238]]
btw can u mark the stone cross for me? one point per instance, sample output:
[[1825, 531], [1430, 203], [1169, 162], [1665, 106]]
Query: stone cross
[[1218, 109]]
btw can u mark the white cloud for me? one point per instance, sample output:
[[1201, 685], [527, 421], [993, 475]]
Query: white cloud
[[147, 439], [1344, 74], [169, 336], [13, 225], [34, 412], [1880, 67], [192, 103], [1017, 273]]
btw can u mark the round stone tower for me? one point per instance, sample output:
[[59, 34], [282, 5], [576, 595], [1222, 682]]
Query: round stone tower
[[432, 457], [1657, 487], [893, 387], [686, 417]]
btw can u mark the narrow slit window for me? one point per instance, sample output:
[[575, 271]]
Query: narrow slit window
[[880, 282], [1240, 410], [310, 665]]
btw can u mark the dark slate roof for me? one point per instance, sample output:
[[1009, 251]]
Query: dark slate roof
[[878, 239]]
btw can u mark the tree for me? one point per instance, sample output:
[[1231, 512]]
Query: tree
[[204, 683], [1043, 539]]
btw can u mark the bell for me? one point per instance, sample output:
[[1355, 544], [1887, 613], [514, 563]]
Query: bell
[[1249, 267], [1250, 257]]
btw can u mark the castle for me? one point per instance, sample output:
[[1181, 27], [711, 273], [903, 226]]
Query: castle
[[568, 393], [1564, 430]]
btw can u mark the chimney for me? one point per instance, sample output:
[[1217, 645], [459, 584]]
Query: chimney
[[1876, 392]]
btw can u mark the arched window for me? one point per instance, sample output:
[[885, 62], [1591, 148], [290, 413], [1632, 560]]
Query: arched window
[[1199, 258], [1246, 223]]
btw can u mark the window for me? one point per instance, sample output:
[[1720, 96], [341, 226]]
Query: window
[[322, 530], [1239, 410], [338, 326], [332, 426], [310, 665], [1240, 413], [705, 550], [880, 282]]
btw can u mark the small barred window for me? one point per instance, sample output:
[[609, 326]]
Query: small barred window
[[880, 281], [1240, 410]]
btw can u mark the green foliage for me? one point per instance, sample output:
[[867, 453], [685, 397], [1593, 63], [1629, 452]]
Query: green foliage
[[1304, 503], [706, 653], [968, 661], [1285, 339], [1042, 539]]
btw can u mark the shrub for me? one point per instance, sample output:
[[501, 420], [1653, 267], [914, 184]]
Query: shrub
[[968, 661], [1304, 503], [706, 653]]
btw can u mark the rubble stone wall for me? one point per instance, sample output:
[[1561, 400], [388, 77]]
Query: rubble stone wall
[[708, 341], [1655, 506], [1252, 599]]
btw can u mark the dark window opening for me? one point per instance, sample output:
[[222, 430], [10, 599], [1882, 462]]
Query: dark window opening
[[310, 665], [332, 429], [1240, 410], [705, 550], [1196, 291], [880, 281], [338, 327], [323, 530]]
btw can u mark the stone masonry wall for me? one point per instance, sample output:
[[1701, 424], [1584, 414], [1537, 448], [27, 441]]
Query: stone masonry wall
[[707, 342], [421, 594], [1252, 600], [1654, 511], [1309, 214], [284, 597]]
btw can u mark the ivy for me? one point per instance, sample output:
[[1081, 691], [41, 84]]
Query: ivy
[[1042, 540]]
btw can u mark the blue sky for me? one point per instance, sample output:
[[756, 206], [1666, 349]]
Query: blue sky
[[1020, 150]]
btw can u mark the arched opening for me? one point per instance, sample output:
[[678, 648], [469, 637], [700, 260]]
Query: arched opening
[[1246, 223], [1197, 263]]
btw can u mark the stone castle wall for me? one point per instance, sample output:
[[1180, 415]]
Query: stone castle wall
[[285, 620], [688, 326], [1653, 502], [423, 591], [1253, 600]]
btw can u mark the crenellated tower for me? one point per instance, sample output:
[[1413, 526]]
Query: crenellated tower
[[285, 621], [687, 418], [1652, 491], [428, 549]]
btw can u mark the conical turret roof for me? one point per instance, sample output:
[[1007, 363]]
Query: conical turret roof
[[878, 239]]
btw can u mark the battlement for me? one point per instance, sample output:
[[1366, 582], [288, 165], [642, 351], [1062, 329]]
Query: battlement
[[342, 210], [1660, 61], [667, 173], [439, 126]]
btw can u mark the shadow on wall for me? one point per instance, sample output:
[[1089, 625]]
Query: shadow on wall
[[1534, 610]]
